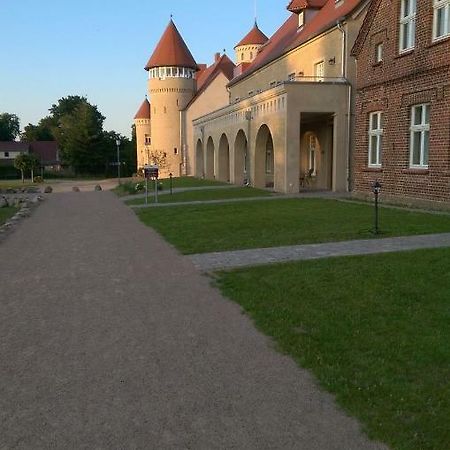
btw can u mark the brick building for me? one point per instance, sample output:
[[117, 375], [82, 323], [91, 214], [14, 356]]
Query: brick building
[[402, 134]]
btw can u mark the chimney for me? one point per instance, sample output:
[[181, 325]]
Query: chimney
[[217, 57]]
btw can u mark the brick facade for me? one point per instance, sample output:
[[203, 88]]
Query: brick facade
[[394, 86]]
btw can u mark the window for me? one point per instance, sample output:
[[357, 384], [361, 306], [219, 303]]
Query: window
[[175, 151], [6, 154], [441, 19], [242, 57], [420, 135], [407, 25], [251, 55], [148, 139], [301, 19], [319, 70], [375, 138], [379, 52], [312, 155]]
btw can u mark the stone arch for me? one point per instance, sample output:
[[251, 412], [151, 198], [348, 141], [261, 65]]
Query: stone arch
[[224, 159], [199, 160], [209, 160], [264, 158], [241, 158]]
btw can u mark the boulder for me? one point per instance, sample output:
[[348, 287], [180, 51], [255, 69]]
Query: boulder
[[48, 190], [98, 187], [76, 189], [3, 202]]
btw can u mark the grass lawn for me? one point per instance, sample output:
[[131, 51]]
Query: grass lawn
[[204, 195], [6, 213], [208, 228], [15, 184], [128, 188], [375, 331]]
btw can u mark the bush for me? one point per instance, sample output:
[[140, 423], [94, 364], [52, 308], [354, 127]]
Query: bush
[[38, 179]]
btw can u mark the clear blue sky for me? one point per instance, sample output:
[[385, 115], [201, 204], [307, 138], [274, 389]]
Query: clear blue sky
[[98, 48]]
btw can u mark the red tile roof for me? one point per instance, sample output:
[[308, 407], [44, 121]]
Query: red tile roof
[[223, 64], [13, 146], [144, 111], [255, 36], [171, 51], [47, 151], [288, 36], [297, 5]]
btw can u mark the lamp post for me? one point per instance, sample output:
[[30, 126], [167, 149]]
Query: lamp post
[[170, 176], [118, 159], [376, 187]]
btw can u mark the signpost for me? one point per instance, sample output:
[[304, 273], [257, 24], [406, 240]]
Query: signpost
[[376, 187], [151, 172]]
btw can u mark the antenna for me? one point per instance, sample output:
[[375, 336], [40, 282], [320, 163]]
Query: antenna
[[255, 2]]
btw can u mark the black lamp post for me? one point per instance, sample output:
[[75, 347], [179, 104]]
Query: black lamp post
[[118, 159], [376, 188], [170, 176]]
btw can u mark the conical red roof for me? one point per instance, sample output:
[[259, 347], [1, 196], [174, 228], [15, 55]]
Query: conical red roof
[[296, 6], [254, 37], [171, 51], [144, 111]]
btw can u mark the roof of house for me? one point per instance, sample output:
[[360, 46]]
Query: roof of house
[[289, 36], [144, 111], [365, 27], [222, 64], [297, 5], [254, 37], [14, 146], [171, 51], [47, 151]]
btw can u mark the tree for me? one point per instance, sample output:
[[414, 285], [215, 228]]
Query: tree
[[81, 139], [33, 164], [9, 127], [21, 163], [43, 131]]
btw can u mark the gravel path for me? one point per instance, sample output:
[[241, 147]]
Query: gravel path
[[109, 339], [259, 256]]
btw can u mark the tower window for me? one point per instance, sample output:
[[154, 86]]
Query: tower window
[[251, 55], [175, 151], [242, 57], [148, 139], [165, 110]]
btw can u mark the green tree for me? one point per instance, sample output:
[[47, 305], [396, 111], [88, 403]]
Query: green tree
[[81, 139], [21, 163], [33, 164], [43, 131], [9, 127]]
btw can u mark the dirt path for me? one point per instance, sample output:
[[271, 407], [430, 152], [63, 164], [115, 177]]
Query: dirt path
[[109, 339]]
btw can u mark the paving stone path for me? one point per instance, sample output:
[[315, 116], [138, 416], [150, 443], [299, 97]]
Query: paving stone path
[[110, 339], [259, 256]]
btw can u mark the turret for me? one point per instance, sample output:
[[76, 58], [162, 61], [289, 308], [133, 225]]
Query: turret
[[171, 86], [248, 47], [142, 122]]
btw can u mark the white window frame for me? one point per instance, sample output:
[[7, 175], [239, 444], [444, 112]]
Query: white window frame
[[439, 5], [407, 25], [312, 154], [423, 128], [319, 71], [379, 52], [378, 134], [301, 19]]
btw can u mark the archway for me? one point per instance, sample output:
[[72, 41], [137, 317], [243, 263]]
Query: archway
[[224, 159], [241, 159], [264, 158], [199, 163], [209, 166]]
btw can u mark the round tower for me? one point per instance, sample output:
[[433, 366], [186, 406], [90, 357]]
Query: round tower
[[171, 86], [247, 49], [142, 122]]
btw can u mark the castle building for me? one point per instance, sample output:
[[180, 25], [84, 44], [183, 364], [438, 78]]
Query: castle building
[[403, 103], [280, 117]]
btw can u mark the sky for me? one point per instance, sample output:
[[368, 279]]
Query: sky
[[50, 49]]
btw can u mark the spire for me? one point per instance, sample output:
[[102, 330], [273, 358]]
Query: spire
[[254, 37], [171, 51], [144, 110]]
